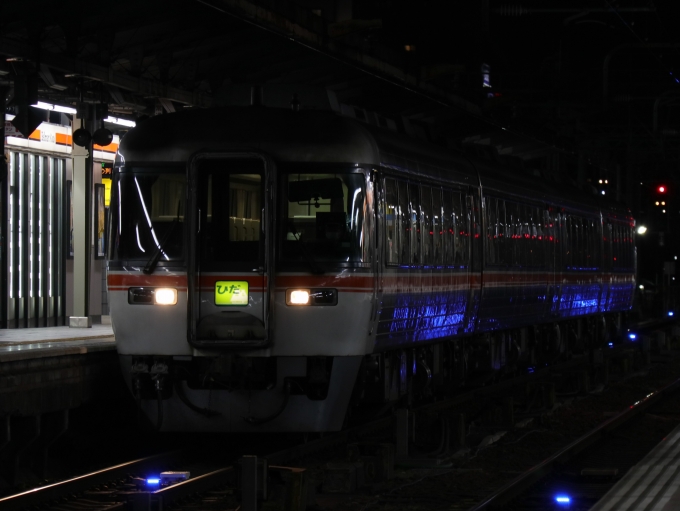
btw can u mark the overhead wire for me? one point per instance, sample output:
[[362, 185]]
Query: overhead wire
[[393, 81], [643, 41]]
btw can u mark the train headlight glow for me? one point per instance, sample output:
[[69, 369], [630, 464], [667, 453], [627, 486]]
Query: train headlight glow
[[316, 297], [297, 297], [165, 296]]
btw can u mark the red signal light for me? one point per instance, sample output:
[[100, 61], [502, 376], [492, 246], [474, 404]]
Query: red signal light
[[661, 189]]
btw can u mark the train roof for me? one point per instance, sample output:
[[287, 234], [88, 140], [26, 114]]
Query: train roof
[[305, 136], [325, 137]]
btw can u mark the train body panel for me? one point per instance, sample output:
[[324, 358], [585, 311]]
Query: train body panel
[[325, 330], [301, 245], [436, 305], [145, 328]]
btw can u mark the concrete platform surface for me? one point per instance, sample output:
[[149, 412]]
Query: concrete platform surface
[[652, 484], [27, 343]]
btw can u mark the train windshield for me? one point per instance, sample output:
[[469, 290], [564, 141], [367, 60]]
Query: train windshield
[[230, 203], [324, 217], [147, 215]]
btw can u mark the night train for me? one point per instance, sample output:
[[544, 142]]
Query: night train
[[270, 269]]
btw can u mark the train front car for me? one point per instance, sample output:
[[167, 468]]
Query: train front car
[[240, 247]]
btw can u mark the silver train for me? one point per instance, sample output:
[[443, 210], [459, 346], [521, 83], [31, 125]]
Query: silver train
[[268, 267]]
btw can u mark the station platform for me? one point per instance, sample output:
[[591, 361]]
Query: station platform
[[32, 343], [651, 485], [45, 370]]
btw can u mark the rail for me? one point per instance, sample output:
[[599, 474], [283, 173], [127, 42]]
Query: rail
[[522, 482]]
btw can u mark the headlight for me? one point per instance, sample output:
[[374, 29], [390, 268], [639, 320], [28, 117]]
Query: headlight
[[320, 296], [297, 297], [165, 296], [152, 296]]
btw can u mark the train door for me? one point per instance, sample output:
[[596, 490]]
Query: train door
[[229, 263]]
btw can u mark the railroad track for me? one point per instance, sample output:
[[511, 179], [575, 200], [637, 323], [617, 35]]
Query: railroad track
[[522, 483], [118, 487]]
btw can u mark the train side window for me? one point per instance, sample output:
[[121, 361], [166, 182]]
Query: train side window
[[529, 239], [512, 233], [616, 247], [587, 243], [624, 247], [405, 235], [630, 248], [491, 229], [566, 240], [508, 240], [574, 233], [581, 226], [557, 241], [607, 244], [426, 226], [392, 222], [532, 237], [595, 241], [437, 238], [415, 223], [462, 232], [587, 232], [496, 231], [448, 227], [521, 231], [500, 240]]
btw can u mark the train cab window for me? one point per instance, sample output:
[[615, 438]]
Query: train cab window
[[392, 222], [426, 226], [323, 218], [148, 215], [230, 201]]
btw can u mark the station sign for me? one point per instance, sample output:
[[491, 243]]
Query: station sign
[[11, 131]]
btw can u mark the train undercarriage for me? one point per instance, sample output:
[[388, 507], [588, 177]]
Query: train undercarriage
[[232, 392]]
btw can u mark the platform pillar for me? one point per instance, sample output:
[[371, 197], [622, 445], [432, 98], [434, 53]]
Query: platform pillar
[[82, 212], [4, 217]]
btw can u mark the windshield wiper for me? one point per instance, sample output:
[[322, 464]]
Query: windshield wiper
[[316, 269], [151, 264]]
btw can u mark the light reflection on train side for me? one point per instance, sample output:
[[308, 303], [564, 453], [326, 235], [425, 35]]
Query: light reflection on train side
[[576, 300], [424, 317]]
